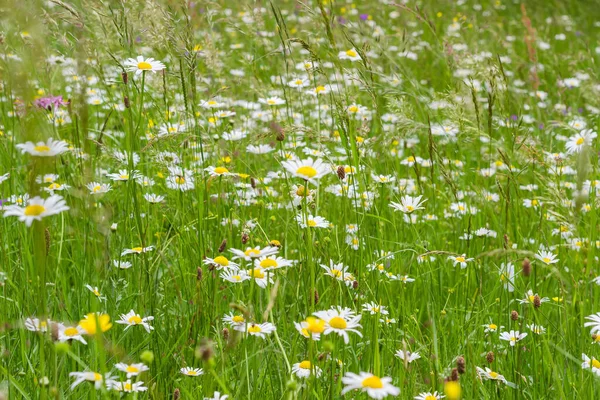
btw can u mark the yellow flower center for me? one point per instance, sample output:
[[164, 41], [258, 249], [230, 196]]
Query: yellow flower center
[[336, 272], [96, 292], [221, 170], [180, 180], [237, 319], [534, 202], [351, 53], [305, 365], [372, 382], [595, 363], [135, 320], [546, 260], [410, 208], [254, 329], [144, 65], [34, 210], [42, 149], [222, 261], [493, 326], [307, 171], [312, 223], [97, 377], [251, 252], [338, 323], [315, 325], [132, 369], [353, 109], [460, 259], [430, 397], [96, 188], [71, 332], [137, 249], [256, 273], [579, 141], [301, 191], [127, 387], [124, 176], [268, 263], [531, 298], [493, 375]]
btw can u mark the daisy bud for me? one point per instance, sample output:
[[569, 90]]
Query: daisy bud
[[176, 394], [253, 183], [125, 77], [126, 102], [341, 172], [526, 267], [490, 357], [291, 385], [199, 274], [225, 333], [223, 245], [453, 375], [245, 238], [47, 237], [514, 315], [460, 365], [537, 302], [147, 357]]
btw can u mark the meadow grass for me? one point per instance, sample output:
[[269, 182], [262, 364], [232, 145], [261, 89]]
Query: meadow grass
[[262, 199]]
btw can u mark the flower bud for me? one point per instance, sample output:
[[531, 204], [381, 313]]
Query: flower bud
[[490, 357], [514, 315], [125, 77], [341, 172], [537, 302], [126, 102], [526, 269], [176, 394], [223, 245], [461, 365]]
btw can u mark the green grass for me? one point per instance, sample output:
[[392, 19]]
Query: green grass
[[480, 61]]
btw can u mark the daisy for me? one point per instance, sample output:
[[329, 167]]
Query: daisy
[[537, 329], [217, 396], [460, 260], [98, 188], [132, 369], [154, 198], [272, 262], [122, 175], [189, 371], [140, 65], [96, 292], [219, 262], [594, 322], [376, 387], [408, 204], [233, 319], [260, 330], [547, 257], [50, 148], [218, 171], [89, 376], [491, 327], [304, 369], [307, 169], [341, 321], [312, 221], [137, 250], [351, 55], [429, 396], [37, 208], [37, 325], [252, 253], [311, 328], [131, 319], [512, 337], [374, 308], [128, 387], [234, 275], [488, 374], [507, 276], [407, 356], [590, 363], [67, 333], [337, 271], [260, 276], [530, 298], [582, 139], [272, 101], [122, 264]]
